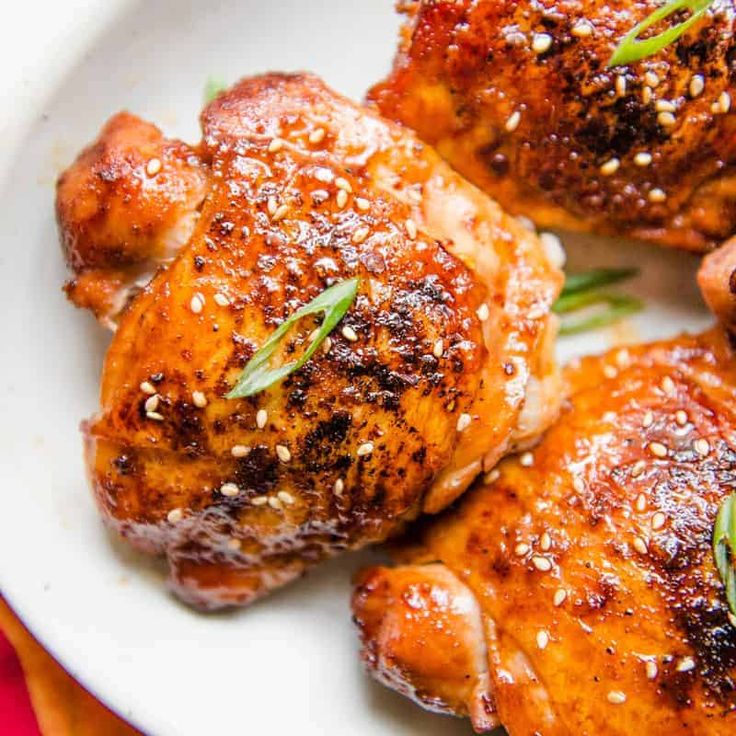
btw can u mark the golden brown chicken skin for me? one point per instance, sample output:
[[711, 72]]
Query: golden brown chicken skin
[[441, 365], [518, 97], [581, 572]]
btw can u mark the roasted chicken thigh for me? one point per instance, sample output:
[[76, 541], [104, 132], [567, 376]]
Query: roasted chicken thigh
[[441, 365], [519, 97], [574, 590]]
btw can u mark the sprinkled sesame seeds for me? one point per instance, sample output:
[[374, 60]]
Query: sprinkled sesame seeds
[[701, 446], [155, 416], [666, 119], [541, 42], [651, 79], [665, 106], [483, 313], [542, 639], [646, 95], [541, 563], [261, 418], [197, 303], [365, 449], [620, 85], [274, 503], [492, 476], [681, 417], [229, 489], [360, 235], [648, 420], [239, 450], [153, 166], [362, 204], [640, 545], [199, 399], [283, 453], [697, 85], [221, 300], [463, 422], [327, 345], [512, 122], [658, 520], [233, 543], [643, 158], [342, 183], [609, 371], [320, 196], [616, 697], [148, 388], [526, 459], [651, 669], [521, 549], [641, 501], [151, 403], [349, 333], [578, 484], [582, 28], [339, 487], [276, 144], [656, 195], [658, 449], [280, 213], [317, 136], [668, 386], [411, 228], [559, 597], [286, 498], [175, 515], [341, 199], [545, 542], [438, 348], [271, 205], [724, 102], [259, 501], [610, 167], [685, 664]]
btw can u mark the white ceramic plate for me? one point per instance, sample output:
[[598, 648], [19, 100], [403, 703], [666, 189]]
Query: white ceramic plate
[[288, 664]]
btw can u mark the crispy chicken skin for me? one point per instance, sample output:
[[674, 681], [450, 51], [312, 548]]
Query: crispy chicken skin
[[126, 206], [589, 562], [517, 96], [442, 364]]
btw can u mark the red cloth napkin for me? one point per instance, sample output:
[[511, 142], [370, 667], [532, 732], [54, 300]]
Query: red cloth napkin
[[16, 712]]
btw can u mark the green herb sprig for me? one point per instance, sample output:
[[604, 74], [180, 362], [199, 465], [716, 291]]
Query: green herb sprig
[[724, 548], [212, 88], [257, 376], [632, 48]]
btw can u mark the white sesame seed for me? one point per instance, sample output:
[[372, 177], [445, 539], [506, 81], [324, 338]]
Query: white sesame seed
[[609, 371], [365, 449], [657, 195], [349, 333], [643, 158], [233, 543], [541, 42], [283, 453], [317, 136], [651, 79], [646, 95], [541, 563], [701, 446], [724, 101], [665, 106], [341, 199], [521, 549], [199, 399], [658, 520], [362, 204], [512, 122], [411, 228], [360, 235], [272, 205], [276, 144], [339, 487], [648, 420], [463, 422], [148, 388], [697, 85], [153, 166], [616, 697], [221, 300], [438, 348], [261, 418], [483, 313], [578, 484], [545, 542], [640, 545], [685, 664], [651, 669], [666, 119], [542, 639], [259, 501], [286, 498], [229, 489], [280, 213], [681, 417], [620, 85], [610, 167], [274, 503], [526, 459], [151, 403], [342, 183], [324, 175], [239, 450], [327, 345], [319, 196], [196, 304], [641, 502], [155, 416], [559, 597], [668, 386], [582, 28], [638, 468], [174, 515], [492, 476], [657, 449]]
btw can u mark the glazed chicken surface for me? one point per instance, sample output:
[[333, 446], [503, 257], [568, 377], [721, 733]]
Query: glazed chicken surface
[[574, 590], [441, 365], [519, 98]]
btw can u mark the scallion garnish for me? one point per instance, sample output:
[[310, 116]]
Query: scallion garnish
[[212, 88], [633, 49], [724, 548], [595, 278], [258, 376]]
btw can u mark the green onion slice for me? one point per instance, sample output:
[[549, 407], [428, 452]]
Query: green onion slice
[[633, 49], [615, 308], [212, 88], [595, 278], [724, 548], [258, 376]]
